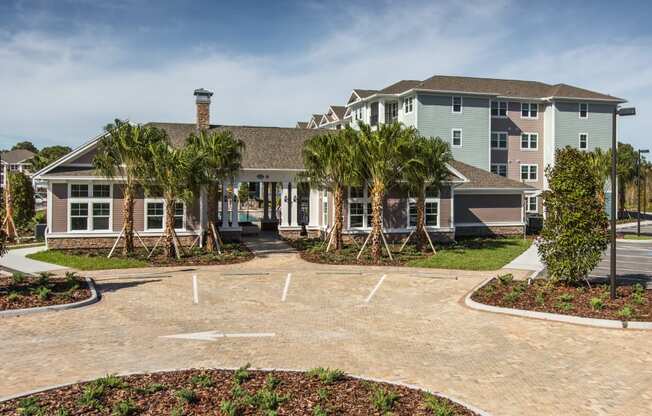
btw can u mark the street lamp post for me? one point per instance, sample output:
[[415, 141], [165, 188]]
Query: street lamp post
[[627, 111], [638, 183]]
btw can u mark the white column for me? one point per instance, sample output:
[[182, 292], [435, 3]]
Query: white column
[[274, 201], [294, 215], [314, 208], [225, 206], [381, 112], [285, 201], [234, 206], [265, 201]]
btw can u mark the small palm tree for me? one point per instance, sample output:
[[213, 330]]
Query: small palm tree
[[600, 164], [382, 156], [328, 162], [221, 157], [120, 153], [428, 169], [171, 173]]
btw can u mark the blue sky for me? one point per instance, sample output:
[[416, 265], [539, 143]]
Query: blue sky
[[69, 67]]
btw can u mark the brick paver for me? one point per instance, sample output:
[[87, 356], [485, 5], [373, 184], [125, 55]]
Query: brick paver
[[414, 330]]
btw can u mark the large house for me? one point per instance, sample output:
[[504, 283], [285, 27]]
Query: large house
[[14, 161], [480, 118], [509, 127]]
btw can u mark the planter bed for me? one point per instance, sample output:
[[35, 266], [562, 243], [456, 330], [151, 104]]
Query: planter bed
[[95, 259], [465, 254], [633, 303], [228, 392], [31, 293]]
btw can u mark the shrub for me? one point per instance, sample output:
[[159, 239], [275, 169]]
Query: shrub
[[272, 382], [626, 312], [72, 278], [29, 406], [326, 375], [319, 411], [506, 279], [242, 374], [574, 233], [17, 278], [540, 298], [187, 396], [437, 406], [111, 381], [230, 408], [511, 296], [597, 304], [22, 195], [268, 400], [44, 278], [62, 412], [92, 395], [203, 380], [566, 297], [43, 292], [152, 388], [12, 296], [125, 408], [177, 411], [322, 393], [383, 399]]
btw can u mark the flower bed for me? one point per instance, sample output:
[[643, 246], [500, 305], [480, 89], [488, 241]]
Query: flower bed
[[632, 303], [22, 292], [319, 392]]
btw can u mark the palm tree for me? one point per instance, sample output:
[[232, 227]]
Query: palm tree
[[428, 169], [328, 163], [601, 164], [171, 173], [221, 156], [383, 154], [120, 153]]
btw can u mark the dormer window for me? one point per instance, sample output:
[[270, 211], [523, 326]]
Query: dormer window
[[457, 104], [584, 110]]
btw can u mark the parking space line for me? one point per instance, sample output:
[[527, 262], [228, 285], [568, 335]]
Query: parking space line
[[286, 288], [245, 274], [373, 291], [195, 290]]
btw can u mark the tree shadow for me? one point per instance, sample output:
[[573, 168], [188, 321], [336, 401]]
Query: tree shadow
[[109, 287]]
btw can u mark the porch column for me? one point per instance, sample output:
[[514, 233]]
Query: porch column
[[274, 201], [285, 202], [294, 207], [234, 205], [265, 201], [381, 112], [225, 206], [314, 208]]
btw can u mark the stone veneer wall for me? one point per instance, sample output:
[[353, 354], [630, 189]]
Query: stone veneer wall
[[66, 243]]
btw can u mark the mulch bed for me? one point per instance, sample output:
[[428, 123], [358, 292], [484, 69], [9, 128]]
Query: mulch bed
[[25, 295], [205, 392], [632, 303]]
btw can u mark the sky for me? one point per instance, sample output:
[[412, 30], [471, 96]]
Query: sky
[[68, 67]]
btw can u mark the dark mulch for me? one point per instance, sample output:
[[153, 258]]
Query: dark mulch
[[158, 394], [579, 300], [23, 295]]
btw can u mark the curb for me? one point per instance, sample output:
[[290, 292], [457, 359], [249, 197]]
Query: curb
[[547, 316], [29, 311], [622, 240], [480, 412]]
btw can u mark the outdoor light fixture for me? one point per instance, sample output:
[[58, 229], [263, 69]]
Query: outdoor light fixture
[[627, 111], [638, 184]]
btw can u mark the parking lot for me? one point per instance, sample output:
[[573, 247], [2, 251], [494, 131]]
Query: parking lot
[[633, 262]]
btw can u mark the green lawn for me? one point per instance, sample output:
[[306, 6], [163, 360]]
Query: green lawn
[[475, 254], [635, 237], [84, 262]]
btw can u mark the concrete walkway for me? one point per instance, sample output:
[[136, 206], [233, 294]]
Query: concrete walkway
[[267, 243], [15, 260], [529, 260]]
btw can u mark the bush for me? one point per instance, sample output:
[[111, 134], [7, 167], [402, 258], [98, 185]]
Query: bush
[[17, 278], [203, 380], [383, 399], [187, 396], [43, 292], [438, 406], [242, 374], [125, 408], [506, 279], [326, 375], [22, 195], [574, 233], [596, 304], [626, 312]]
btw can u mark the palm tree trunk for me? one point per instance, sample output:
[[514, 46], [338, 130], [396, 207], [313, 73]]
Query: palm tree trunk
[[168, 244], [377, 193], [421, 221], [128, 217], [212, 209], [339, 204]]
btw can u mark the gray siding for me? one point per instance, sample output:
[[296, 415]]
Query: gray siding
[[478, 208], [436, 119], [568, 125]]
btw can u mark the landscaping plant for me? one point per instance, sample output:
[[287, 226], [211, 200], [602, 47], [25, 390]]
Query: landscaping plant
[[574, 233], [21, 199]]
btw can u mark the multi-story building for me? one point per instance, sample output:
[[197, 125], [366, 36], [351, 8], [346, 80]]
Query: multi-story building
[[14, 161]]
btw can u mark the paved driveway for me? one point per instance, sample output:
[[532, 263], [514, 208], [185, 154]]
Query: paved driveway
[[408, 326], [633, 263]]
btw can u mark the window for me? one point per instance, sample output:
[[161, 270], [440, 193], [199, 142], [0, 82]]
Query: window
[[78, 190], [529, 110], [431, 214], [78, 216], [356, 215], [14, 167], [358, 113], [408, 104], [359, 207], [531, 204], [529, 141], [154, 216], [391, 112], [499, 169], [584, 110], [101, 191], [457, 104], [101, 214], [529, 173], [584, 141], [498, 109], [179, 215], [456, 136], [498, 140]]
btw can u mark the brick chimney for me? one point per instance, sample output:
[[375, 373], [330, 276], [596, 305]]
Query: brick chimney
[[203, 102]]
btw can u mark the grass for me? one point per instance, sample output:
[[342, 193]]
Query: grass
[[82, 262], [475, 254], [636, 237]]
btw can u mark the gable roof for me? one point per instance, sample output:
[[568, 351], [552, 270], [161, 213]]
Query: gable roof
[[339, 111], [17, 156], [359, 94], [481, 179], [302, 125]]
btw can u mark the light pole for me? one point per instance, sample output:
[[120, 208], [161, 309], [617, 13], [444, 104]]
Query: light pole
[[627, 111], [638, 183]]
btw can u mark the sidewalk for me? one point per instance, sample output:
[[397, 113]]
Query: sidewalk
[[15, 260], [529, 260]]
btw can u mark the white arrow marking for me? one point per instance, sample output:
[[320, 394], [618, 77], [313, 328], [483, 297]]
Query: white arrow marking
[[215, 335], [286, 288], [380, 282]]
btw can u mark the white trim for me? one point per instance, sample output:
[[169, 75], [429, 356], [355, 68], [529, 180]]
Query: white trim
[[162, 201], [506, 140], [579, 141], [453, 137], [85, 234], [453, 97], [49, 206], [579, 110], [81, 178], [529, 141], [89, 200], [411, 200], [77, 152], [527, 204], [529, 172], [364, 200]]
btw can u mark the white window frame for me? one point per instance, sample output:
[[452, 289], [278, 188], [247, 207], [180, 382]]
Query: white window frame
[[529, 172], [324, 205], [579, 141], [579, 111], [408, 105], [506, 139], [89, 201], [529, 110], [412, 200], [498, 104], [453, 97], [364, 200], [529, 141], [527, 204], [498, 170], [161, 200], [453, 138]]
